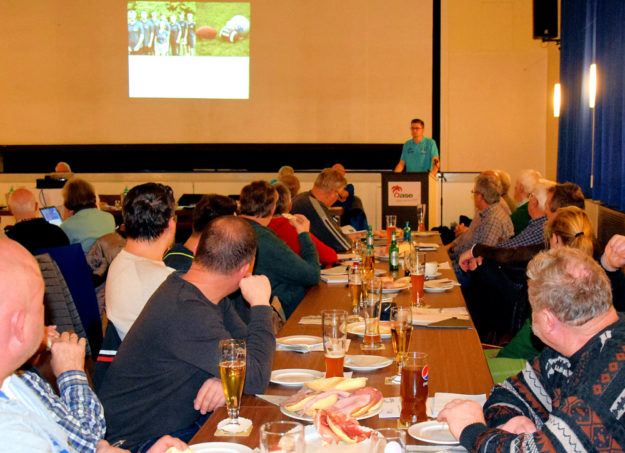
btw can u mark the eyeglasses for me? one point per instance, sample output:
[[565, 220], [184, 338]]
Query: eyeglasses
[[475, 192], [414, 128]]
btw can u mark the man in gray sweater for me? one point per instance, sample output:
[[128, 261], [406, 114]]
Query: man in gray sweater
[[165, 377]]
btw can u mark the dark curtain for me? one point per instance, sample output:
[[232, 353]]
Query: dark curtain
[[593, 31]]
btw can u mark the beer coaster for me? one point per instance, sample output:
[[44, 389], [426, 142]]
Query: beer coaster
[[392, 380], [223, 429], [380, 347]]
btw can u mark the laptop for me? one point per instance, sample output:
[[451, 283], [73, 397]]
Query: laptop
[[52, 215]]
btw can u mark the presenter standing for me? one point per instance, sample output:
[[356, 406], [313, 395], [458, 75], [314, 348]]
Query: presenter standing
[[419, 153]]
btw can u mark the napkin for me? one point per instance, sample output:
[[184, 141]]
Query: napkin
[[314, 348], [312, 319], [348, 256], [425, 316], [336, 270], [334, 278], [444, 265], [391, 407], [273, 399], [437, 402]]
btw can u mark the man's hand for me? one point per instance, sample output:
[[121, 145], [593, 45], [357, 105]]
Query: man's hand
[[300, 222], [614, 254], [255, 289], [519, 425], [210, 396], [467, 262], [68, 353], [459, 414]]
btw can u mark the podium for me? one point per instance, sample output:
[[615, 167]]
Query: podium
[[402, 192]]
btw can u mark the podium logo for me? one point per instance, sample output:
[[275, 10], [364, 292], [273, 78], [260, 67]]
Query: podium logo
[[397, 192]]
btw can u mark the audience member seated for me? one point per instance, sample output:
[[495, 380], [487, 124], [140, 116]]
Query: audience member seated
[[353, 212], [291, 182], [281, 225], [30, 229], [534, 232], [506, 182], [32, 416], [137, 270], [490, 225], [314, 206], [83, 222], [524, 186], [570, 398], [288, 273], [180, 256], [165, 377]]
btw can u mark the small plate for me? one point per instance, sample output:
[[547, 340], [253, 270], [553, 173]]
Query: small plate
[[308, 418], [437, 287], [394, 290], [299, 340], [358, 328], [294, 377], [366, 362], [433, 432], [425, 234], [220, 447]]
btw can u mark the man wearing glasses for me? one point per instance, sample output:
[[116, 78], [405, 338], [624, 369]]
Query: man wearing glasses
[[420, 153]]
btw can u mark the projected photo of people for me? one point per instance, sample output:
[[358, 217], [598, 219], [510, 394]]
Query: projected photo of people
[[212, 29]]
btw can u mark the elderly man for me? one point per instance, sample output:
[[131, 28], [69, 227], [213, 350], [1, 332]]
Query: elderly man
[[526, 181], [30, 230], [490, 226], [314, 206], [138, 269], [165, 377], [288, 273], [32, 417], [571, 397]]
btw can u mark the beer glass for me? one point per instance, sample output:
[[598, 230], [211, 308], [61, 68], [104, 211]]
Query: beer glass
[[282, 436], [401, 331], [232, 357], [414, 388], [371, 306], [355, 286], [414, 261], [391, 224], [421, 208], [334, 323]]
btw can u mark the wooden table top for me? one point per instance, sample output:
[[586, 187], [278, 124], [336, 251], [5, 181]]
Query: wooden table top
[[456, 361]]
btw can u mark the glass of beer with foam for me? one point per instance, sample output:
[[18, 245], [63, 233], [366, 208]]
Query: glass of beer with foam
[[334, 324], [232, 358]]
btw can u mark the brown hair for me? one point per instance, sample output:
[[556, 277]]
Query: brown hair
[[258, 199], [78, 194]]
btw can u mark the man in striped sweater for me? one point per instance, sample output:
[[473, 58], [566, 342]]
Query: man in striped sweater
[[571, 398]]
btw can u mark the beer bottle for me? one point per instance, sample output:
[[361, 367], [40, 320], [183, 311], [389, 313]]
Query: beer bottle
[[407, 232], [393, 256], [368, 263]]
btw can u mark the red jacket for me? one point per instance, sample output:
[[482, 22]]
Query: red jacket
[[287, 232]]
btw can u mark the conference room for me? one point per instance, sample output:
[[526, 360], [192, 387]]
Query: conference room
[[237, 90]]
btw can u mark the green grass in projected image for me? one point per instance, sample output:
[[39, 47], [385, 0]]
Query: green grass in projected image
[[212, 14]]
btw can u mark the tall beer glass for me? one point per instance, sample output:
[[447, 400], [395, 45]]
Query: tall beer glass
[[355, 286], [232, 357], [421, 209], [334, 323], [414, 388], [391, 225], [371, 307], [401, 331], [414, 261]]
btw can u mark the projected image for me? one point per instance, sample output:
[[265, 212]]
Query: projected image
[[206, 42]]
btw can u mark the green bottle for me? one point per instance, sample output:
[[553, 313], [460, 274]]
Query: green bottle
[[393, 255], [370, 242], [407, 232]]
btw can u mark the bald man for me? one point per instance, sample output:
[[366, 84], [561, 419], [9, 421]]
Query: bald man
[[29, 410], [30, 229]]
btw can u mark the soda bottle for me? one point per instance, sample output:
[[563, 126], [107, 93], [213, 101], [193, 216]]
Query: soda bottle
[[407, 232], [393, 255]]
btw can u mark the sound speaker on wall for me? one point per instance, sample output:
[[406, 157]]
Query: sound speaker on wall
[[545, 19]]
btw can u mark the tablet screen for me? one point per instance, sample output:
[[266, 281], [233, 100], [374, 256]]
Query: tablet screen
[[52, 215]]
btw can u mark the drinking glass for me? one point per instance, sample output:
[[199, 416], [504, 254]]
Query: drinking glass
[[391, 225], [389, 440], [421, 209], [414, 261], [334, 323], [282, 436], [414, 388], [401, 331], [371, 306], [232, 357], [355, 286]]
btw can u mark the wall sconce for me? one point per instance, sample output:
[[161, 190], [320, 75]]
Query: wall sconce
[[592, 86], [556, 100]]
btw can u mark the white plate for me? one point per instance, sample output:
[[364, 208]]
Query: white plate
[[430, 287], [394, 290], [300, 340], [220, 447], [433, 432], [366, 362], [308, 418], [314, 444], [358, 328], [294, 377]]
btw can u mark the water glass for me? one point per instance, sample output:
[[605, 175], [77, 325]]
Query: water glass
[[389, 440], [282, 436]]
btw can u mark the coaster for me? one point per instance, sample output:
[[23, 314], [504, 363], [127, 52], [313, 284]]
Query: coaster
[[245, 428], [380, 347], [392, 380]]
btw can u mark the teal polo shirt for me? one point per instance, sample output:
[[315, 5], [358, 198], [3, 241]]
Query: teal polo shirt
[[418, 156]]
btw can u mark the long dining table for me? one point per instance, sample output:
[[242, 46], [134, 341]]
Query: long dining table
[[456, 360]]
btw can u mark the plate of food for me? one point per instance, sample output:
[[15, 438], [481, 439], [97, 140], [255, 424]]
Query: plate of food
[[433, 432], [366, 362], [394, 286], [349, 396], [358, 328], [294, 377], [218, 447], [337, 433]]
